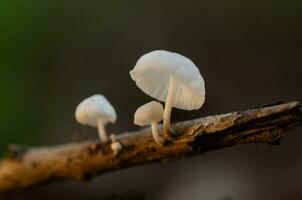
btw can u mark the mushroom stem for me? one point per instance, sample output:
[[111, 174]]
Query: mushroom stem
[[155, 135], [102, 132], [169, 105]]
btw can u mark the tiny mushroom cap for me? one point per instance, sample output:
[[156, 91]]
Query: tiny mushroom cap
[[153, 72], [116, 147], [150, 112], [96, 111]]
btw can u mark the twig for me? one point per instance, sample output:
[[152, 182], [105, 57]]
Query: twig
[[23, 167]]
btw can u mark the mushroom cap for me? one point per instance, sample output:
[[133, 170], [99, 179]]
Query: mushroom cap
[[95, 108], [116, 146], [152, 111], [153, 71]]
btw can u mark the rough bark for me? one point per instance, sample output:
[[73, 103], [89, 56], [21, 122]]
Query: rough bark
[[24, 167]]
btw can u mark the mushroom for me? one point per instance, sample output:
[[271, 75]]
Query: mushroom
[[115, 146], [150, 113], [96, 111], [171, 78]]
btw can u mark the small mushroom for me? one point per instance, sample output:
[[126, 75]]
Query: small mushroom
[[150, 113], [115, 146], [96, 111], [171, 78]]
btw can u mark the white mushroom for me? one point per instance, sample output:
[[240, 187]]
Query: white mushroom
[[96, 111], [171, 78], [115, 146], [150, 113]]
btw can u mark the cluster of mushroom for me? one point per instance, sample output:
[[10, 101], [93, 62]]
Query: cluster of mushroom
[[166, 76]]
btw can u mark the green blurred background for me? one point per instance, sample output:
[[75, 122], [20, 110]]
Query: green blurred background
[[54, 53]]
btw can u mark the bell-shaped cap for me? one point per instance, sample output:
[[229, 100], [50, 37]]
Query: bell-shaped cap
[[152, 111], [153, 71], [95, 108]]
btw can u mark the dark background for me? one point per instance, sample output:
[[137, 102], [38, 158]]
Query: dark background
[[54, 53]]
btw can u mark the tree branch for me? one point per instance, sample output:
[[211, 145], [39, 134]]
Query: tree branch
[[23, 167]]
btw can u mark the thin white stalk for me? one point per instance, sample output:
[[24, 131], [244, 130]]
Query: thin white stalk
[[113, 138], [169, 104], [102, 132], [156, 137]]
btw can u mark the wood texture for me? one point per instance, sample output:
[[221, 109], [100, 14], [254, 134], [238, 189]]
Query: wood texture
[[23, 167]]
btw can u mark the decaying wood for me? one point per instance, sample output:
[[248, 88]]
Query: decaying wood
[[23, 167]]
